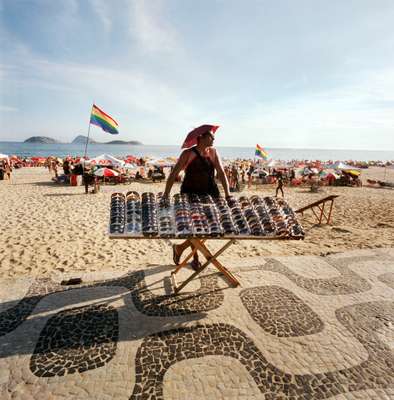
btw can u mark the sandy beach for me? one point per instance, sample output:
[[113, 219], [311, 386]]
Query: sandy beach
[[54, 230]]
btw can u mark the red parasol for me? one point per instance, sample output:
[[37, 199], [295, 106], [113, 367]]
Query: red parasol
[[106, 172], [191, 138]]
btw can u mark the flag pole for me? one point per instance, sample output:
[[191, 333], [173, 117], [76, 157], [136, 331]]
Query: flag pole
[[87, 138]]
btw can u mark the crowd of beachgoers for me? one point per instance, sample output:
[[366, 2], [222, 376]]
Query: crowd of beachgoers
[[240, 172]]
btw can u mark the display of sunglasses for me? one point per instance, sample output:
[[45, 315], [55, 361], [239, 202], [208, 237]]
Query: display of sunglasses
[[201, 215]]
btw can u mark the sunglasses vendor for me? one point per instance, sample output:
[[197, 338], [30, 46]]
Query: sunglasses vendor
[[199, 161]]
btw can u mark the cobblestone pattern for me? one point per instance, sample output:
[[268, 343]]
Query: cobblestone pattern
[[388, 279], [159, 351], [208, 297], [86, 348], [10, 319], [347, 283], [76, 340], [279, 312]]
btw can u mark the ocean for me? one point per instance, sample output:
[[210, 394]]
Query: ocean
[[61, 150]]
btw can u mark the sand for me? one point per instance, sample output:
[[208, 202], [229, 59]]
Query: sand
[[54, 230]]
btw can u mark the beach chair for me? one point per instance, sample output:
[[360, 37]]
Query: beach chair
[[320, 205]]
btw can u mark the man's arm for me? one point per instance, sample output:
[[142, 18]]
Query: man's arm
[[221, 174]]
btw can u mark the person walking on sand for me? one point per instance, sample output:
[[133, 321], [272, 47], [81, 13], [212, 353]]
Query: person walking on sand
[[2, 171], [250, 173], [279, 178], [200, 160], [8, 170]]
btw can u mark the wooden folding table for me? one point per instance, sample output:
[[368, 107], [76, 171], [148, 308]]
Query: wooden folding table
[[199, 246]]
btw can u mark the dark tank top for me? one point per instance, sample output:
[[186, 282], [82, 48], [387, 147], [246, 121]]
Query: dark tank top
[[200, 176]]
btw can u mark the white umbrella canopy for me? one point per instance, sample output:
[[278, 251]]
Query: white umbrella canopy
[[160, 162], [278, 164], [106, 159]]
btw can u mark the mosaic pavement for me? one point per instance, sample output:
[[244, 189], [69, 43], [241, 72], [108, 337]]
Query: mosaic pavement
[[297, 328]]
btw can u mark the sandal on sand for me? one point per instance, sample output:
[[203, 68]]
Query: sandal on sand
[[196, 265], [175, 256]]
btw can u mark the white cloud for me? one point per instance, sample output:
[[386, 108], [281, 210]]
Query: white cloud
[[148, 26], [337, 118], [103, 10]]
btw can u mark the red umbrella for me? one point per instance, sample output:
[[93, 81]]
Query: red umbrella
[[106, 172], [191, 138]]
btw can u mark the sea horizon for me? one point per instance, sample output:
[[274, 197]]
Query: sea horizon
[[23, 149]]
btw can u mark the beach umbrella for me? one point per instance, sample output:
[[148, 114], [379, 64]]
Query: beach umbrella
[[349, 169], [160, 163], [342, 166], [106, 159], [278, 164], [106, 172], [192, 136], [131, 159], [353, 172]]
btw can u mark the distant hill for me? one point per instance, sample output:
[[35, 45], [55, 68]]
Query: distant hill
[[133, 142], [41, 140], [80, 139]]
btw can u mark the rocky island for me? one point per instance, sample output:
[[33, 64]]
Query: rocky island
[[133, 142], [41, 140], [80, 139]]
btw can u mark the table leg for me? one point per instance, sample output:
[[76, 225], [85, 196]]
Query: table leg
[[199, 245], [213, 259], [187, 258]]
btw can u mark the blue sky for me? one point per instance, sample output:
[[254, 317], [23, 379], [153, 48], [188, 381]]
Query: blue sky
[[312, 74]]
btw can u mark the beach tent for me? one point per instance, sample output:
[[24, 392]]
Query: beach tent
[[105, 159], [3, 156]]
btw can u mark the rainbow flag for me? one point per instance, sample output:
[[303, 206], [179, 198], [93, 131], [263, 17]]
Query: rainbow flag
[[104, 121], [260, 152]]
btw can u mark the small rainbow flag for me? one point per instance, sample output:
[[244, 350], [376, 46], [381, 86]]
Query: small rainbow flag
[[260, 152], [104, 121]]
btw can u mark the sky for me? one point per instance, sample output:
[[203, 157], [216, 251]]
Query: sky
[[281, 73]]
